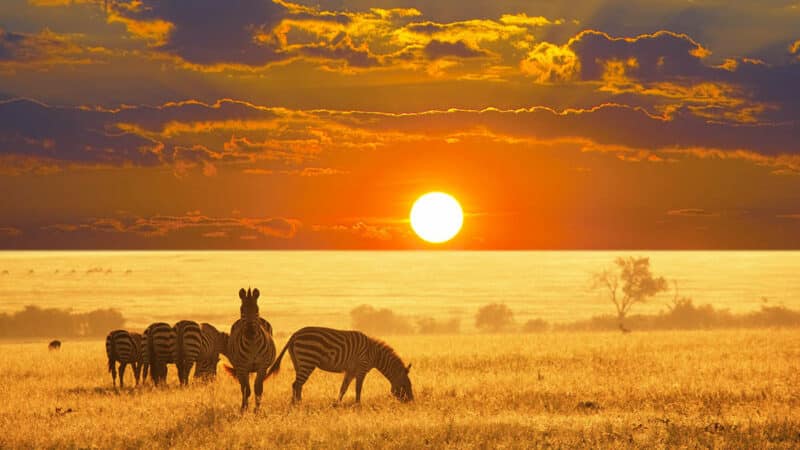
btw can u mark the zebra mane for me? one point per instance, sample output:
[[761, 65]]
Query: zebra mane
[[391, 353]]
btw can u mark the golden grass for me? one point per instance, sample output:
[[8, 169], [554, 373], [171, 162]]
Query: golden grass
[[733, 389]]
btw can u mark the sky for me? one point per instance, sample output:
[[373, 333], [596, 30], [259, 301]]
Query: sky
[[259, 124]]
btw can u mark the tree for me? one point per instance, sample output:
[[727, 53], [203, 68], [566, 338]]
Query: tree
[[494, 318], [627, 283], [379, 321]]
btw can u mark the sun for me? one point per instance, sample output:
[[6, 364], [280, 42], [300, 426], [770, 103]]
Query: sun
[[436, 217]]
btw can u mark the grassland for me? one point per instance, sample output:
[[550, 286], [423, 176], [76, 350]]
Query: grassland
[[730, 389]]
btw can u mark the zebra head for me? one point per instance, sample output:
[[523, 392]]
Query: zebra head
[[401, 386], [249, 308]]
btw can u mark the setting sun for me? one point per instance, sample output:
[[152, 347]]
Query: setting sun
[[436, 217]]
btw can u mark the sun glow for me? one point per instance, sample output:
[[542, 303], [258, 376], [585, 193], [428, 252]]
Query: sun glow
[[436, 217]]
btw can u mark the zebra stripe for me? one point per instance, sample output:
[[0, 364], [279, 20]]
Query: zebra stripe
[[250, 347], [125, 348], [351, 352], [161, 349], [187, 348], [213, 342]]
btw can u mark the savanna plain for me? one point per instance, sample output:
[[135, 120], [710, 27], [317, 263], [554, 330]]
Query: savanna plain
[[723, 388]]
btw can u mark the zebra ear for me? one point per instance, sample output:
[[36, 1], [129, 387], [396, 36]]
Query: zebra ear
[[242, 294], [255, 294], [408, 368]]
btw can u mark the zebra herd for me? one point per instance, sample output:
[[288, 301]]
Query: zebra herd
[[249, 347]]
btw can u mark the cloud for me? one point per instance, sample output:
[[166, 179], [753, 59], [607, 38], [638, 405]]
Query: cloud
[[187, 136], [691, 212], [161, 225], [670, 70], [10, 231], [436, 49], [363, 230], [207, 32], [43, 51]]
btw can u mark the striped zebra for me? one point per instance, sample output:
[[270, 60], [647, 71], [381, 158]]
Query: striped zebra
[[250, 347], [125, 348], [213, 343], [351, 352], [188, 346], [160, 350]]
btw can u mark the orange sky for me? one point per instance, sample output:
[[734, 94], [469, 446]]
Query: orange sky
[[557, 125]]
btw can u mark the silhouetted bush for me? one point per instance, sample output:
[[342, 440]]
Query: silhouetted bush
[[34, 321], [685, 315], [494, 318], [379, 321], [535, 326], [429, 325]]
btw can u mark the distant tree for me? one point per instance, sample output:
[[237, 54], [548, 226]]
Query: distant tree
[[494, 318], [627, 283], [379, 321], [535, 326], [429, 325]]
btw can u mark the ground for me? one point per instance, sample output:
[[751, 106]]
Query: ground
[[731, 389]]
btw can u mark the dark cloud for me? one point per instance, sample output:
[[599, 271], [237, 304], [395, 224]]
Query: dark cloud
[[652, 57], [10, 231], [69, 135], [691, 212], [160, 225], [436, 49], [213, 32], [190, 134], [674, 68], [341, 48]]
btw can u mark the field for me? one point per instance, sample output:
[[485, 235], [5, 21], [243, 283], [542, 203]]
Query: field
[[731, 389]]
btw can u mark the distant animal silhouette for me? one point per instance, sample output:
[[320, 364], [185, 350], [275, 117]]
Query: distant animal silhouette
[[351, 352], [213, 343], [250, 347], [126, 348], [187, 349], [159, 349], [54, 345]]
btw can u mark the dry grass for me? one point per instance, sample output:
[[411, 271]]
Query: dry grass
[[734, 389]]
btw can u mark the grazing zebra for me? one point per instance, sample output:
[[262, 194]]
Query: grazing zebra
[[250, 347], [125, 348], [54, 345], [160, 350], [213, 343], [187, 349], [351, 352]]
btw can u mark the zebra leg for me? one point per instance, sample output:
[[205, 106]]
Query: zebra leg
[[113, 367], [348, 378], [122, 367], [137, 370], [359, 384], [258, 387], [301, 376], [145, 368], [244, 383]]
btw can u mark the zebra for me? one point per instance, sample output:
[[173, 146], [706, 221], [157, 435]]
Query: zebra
[[213, 343], [187, 349], [351, 352], [123, 347], [250, 347], [160, 350]]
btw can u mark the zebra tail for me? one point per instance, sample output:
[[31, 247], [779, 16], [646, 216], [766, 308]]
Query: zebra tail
[[111, 355], [276, 366], [229, 370]]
